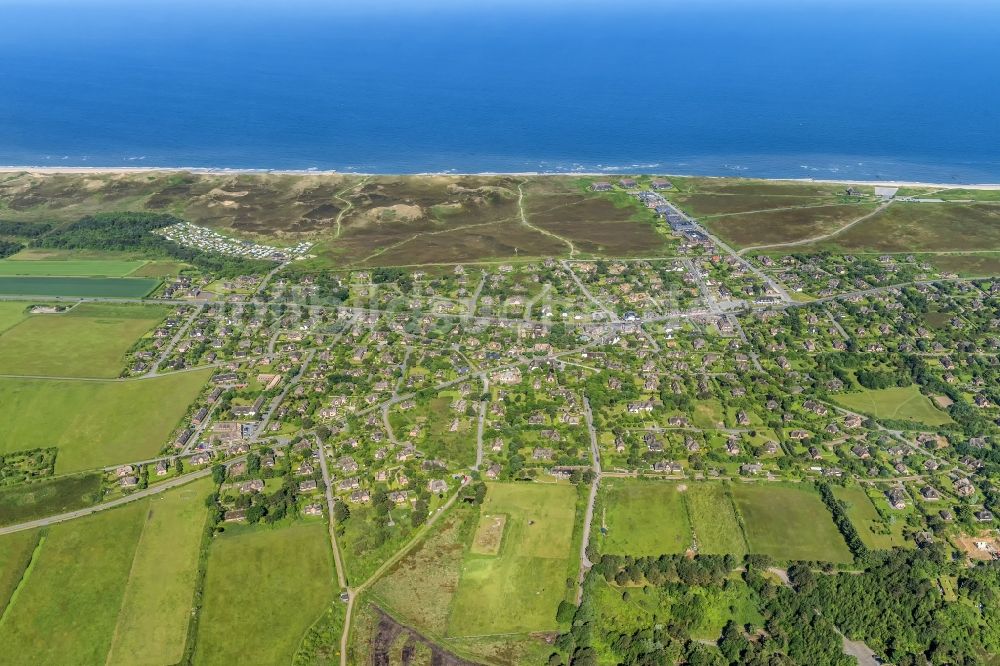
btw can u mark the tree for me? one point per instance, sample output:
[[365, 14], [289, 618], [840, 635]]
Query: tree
[[565, 612], [340, 512], [255, 513], [218, 473]]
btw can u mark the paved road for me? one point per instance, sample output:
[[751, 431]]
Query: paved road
[[588, 518], [80, 513], [483, 406], [341, 575]]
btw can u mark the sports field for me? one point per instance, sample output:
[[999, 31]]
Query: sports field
[[713, 517], [263, 590], [518, 589], [906, 403], [643, 518], [153, 620], [70, 267], [789, 523], [874, 532], [95, 423], [90, 340], [82, 287], [67, 607]]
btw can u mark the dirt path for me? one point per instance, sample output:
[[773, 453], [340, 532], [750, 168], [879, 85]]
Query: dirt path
[[813, 239], [524, 221], [349, 206]]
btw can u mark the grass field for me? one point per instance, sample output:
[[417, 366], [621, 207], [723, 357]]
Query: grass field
[[263, 591], [518, 590], [28, 501], [67, 607], [88, 341], [789, 523], [644, 518], [868, 522], [11, 313], [70, 267], [81, 287], [95, 423], [153, 620], [713, 517], [16, 551], [906, 403]]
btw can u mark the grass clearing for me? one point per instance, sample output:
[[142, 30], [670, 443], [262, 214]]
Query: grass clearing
[[153, 620], [644, 518], [263, 590], [519, 589], [789, 523], [29, 501], [874, 532], [90, 340], [70, 267], [904, 403], [713, 518], [67, 607], [95, 423]]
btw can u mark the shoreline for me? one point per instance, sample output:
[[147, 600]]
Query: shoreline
[[215, 171]]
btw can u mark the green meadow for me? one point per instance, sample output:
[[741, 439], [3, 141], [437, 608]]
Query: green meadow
[[95, 423], [716, 526], [643, 518], [66, 609], [789, 523], [264, 589], [906, 403], [153, 620], [90, 340], [518, 589]]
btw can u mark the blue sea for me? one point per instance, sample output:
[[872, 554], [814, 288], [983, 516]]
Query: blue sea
[[804, 89]]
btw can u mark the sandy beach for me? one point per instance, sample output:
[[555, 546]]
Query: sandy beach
[[40, 170]]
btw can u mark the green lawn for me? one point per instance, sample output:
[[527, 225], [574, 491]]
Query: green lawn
[[905, 403], [716, 527], [153, 620], [83, 287], [707, 413], [28, 501], [90, 340], [95, 423], [67, 607], [518, 589], [263, 590], [789, 523], [643, 518], [867, 521], [70, 267]]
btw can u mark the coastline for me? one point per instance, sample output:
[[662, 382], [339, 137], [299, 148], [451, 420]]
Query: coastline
[[213, 171]]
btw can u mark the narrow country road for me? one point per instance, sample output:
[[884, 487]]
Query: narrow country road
[[588, 518]]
